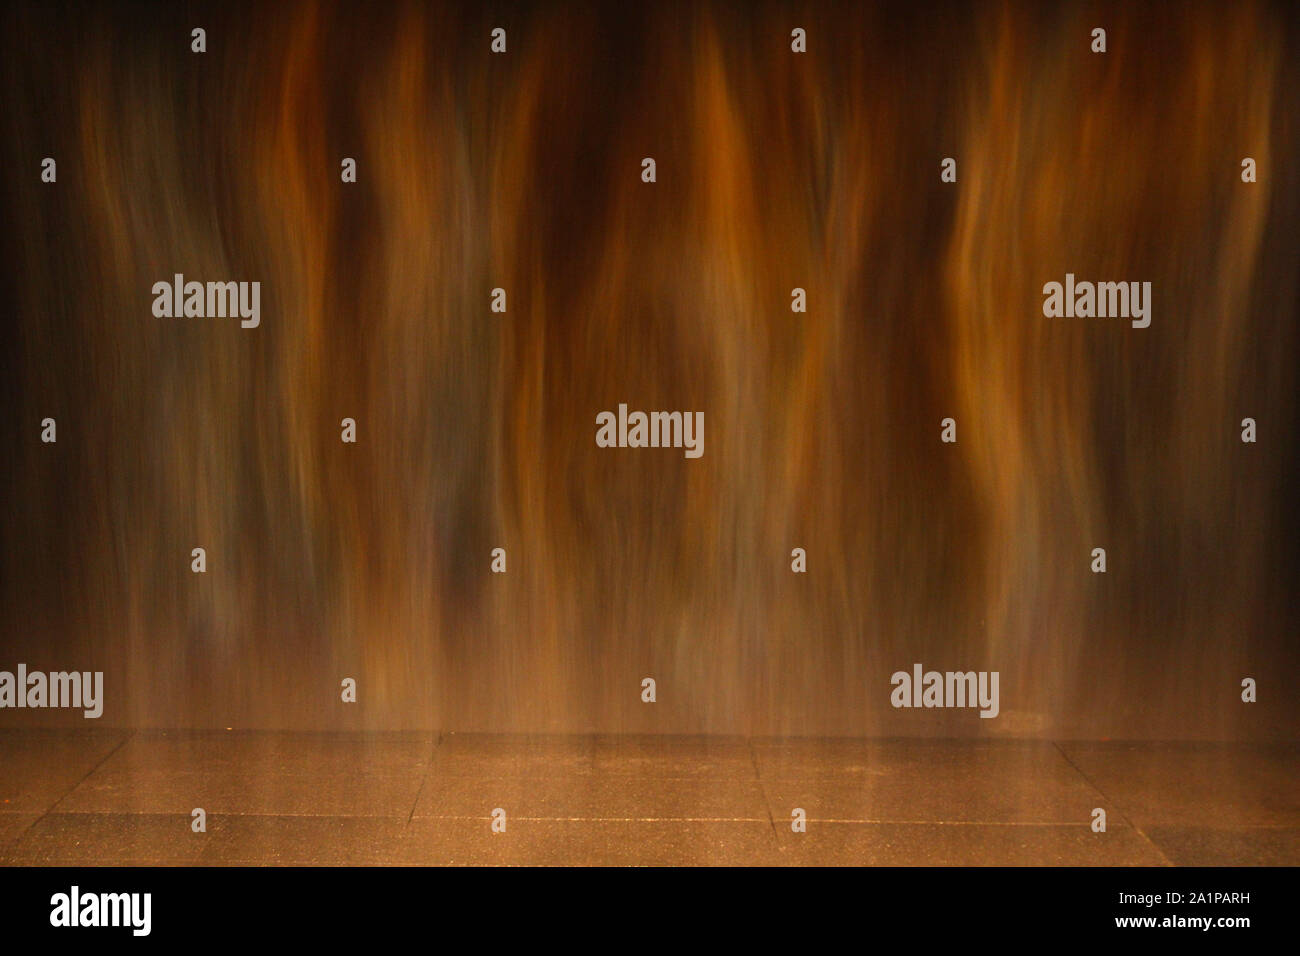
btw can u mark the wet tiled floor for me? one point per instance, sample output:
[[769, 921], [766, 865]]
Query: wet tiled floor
[[114, 798]]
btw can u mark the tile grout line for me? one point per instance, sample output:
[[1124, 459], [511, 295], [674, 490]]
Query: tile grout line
[[1092, 783], [851, 821], [437, 742], [758, 777]]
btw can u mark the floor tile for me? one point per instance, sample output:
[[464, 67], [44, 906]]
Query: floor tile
[[595, 796], [1211, 785], [512, 755], [930, 844], [591, 843], [1235, 846], [674, 756], [127, 790], [37, 767], [924, 781], [305, 841], [108, 839], [258, 753]]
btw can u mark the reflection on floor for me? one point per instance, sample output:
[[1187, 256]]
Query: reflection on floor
[[103, 797]]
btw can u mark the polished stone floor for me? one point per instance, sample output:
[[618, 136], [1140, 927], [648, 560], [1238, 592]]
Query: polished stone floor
[[114, 798]]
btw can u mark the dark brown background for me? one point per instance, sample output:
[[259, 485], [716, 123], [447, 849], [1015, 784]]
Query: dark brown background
[[476, 430]]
